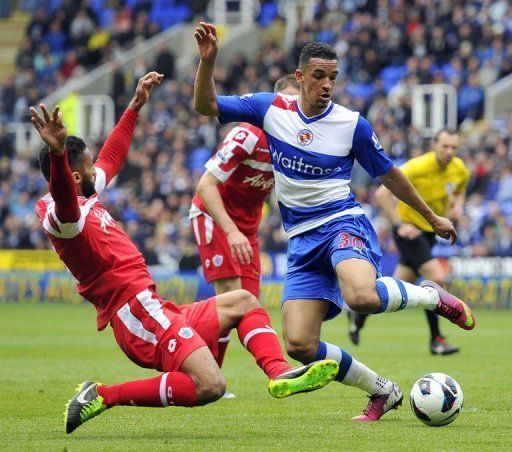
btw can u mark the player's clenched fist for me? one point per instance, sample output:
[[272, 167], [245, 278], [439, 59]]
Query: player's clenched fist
[[50, 128], [444, 228], [144, 88], [207, 41]]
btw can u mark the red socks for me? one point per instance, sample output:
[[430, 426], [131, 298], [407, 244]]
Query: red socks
[[176, 388], [170, 388], [257, 335]]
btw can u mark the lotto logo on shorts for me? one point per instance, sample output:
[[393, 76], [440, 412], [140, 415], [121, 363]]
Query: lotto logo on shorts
[[217, 260], [185, 333]]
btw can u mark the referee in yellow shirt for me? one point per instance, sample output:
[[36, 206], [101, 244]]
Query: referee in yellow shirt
[[441, 179]]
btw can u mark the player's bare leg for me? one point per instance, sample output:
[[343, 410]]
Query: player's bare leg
[[403, 273], [202, 368], [366, 294], [302, 322], [222, 286], [240, 310], [434, 271]]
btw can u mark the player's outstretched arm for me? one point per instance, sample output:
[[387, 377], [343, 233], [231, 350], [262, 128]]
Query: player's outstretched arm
[[143, 90], [387, 204], [207, 189], [205, 93], [398, 184], [62, 186], [113, 153]]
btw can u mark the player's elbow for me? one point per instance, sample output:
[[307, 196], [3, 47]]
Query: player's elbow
[[206, 108], [199, 107], [207, 183]]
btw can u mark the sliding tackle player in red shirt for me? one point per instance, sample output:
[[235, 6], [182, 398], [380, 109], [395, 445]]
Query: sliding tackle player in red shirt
[[179, 341]]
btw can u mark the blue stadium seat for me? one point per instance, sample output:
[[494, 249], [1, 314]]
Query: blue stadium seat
[[167, 16], [268, 13], [391, 75]]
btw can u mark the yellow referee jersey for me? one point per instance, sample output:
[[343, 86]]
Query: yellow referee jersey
[[435, 184]]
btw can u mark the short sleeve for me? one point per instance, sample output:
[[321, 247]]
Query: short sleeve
[[368, 151], [238, 145], [249, 108]]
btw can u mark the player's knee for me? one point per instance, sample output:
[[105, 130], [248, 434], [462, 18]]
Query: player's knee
[[363, 301], [210, 388], [303, 351], [240, 300], [247, 302]]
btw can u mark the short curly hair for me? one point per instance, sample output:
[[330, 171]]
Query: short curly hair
[[75, 147], [316, 50]]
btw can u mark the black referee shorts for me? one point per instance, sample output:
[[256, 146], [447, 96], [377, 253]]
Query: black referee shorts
[[414, 253]]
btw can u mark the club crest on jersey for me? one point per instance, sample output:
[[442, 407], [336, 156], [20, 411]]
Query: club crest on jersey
[[185, 332], [304, 137], [217, 260]]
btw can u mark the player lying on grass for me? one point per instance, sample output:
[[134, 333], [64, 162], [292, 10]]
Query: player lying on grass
[[180, 341], [333, 251]]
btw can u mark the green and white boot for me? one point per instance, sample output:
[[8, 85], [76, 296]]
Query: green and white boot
[[303, 379], [84, 406]]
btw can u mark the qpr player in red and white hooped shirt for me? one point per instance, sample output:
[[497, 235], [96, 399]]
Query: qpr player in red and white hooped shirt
[[180, 341], [243, 168]]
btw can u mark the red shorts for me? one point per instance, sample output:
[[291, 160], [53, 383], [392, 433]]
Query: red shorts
[[159, 335], [216, 258]]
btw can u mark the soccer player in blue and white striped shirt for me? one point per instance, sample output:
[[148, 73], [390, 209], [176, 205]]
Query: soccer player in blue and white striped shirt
[[332, 245]]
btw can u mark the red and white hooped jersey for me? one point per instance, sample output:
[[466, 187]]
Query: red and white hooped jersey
[[243, 166], [108, 268]]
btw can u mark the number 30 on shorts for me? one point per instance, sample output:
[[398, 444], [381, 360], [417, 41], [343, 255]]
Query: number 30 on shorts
[[349, 241]]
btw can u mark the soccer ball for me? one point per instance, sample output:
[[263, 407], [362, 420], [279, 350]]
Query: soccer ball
[[436, 399]]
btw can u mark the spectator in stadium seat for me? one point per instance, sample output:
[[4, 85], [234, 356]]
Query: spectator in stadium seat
[[164, 62], [7, 98], [6, 143], [470, 100], [56, 39]]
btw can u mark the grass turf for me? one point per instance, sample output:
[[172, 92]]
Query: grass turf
[[45, 350]]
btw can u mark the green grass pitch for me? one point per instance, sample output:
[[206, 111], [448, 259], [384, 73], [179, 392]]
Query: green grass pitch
[[45, 350]]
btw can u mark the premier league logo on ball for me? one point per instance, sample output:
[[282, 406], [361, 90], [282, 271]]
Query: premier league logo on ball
[[304, 137]]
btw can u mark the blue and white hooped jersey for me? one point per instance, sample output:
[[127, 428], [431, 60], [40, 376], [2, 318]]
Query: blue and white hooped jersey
[[312, 157]]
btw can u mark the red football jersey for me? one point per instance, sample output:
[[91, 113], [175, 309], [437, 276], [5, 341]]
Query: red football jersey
[[105, 263], [243, 166], [108, 268]]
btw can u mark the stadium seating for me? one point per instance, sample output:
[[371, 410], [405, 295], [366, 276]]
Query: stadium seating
[[153, 192]]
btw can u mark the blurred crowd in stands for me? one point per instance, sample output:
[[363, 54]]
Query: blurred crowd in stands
[[385, 47]]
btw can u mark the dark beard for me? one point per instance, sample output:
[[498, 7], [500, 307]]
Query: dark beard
[[88, 188]]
